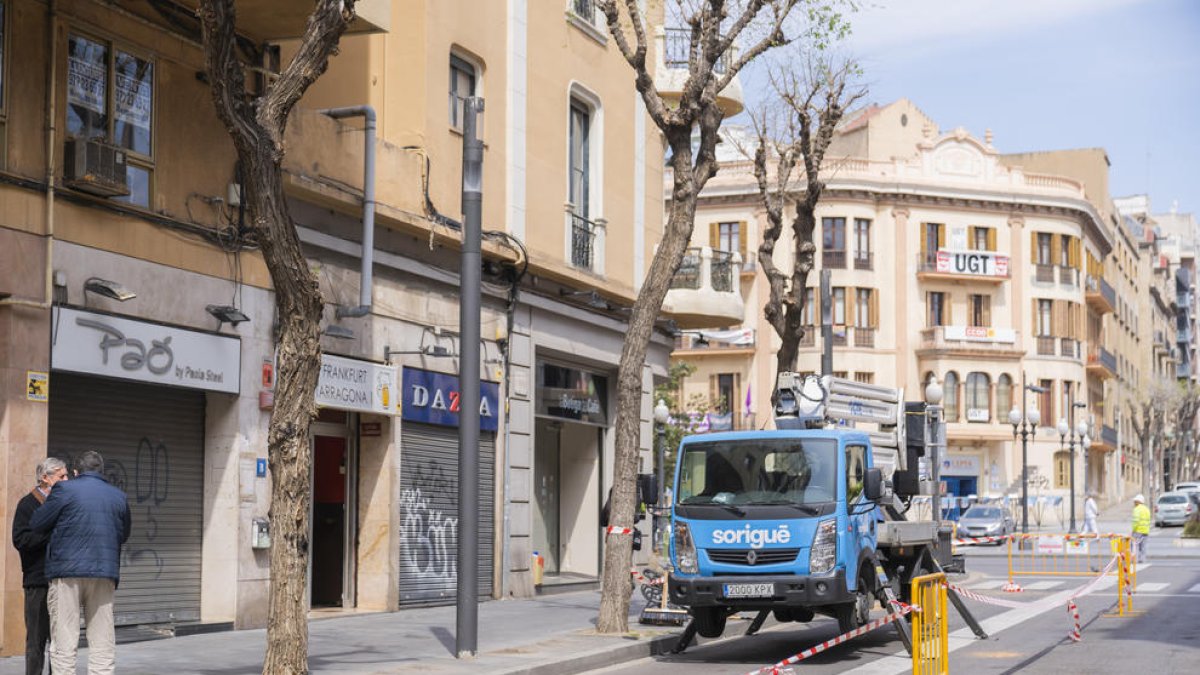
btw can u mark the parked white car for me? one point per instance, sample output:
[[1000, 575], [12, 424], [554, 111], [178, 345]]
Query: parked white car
[[1173, 508]]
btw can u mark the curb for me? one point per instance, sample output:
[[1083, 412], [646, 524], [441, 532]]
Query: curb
[[609, 655]]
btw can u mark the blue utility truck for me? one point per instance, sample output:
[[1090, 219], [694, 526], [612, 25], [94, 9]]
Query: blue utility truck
[[807, 518]]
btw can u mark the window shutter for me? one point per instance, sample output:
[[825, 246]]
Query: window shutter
[[849, 295], [1034, 328], [714, 391], [742, 239], [874, 308], [1078, 255], [991, 238], [971, 236], [1055, 250], [714, 235], [987, 310], [1033, 248], [941, 234]]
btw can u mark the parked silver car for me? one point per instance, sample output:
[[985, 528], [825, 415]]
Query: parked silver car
[[986, 520], [1173, 508]]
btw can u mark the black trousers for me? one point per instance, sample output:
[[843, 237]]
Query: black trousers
[[37, 629]]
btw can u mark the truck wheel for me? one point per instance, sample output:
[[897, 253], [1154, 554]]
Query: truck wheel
[[857, 613], [798, 614], [710, 621]]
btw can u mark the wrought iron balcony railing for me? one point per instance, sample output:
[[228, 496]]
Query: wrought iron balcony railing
[[679, 50], [583, 240]]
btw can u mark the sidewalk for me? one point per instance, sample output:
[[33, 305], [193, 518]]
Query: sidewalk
[[553, 634]]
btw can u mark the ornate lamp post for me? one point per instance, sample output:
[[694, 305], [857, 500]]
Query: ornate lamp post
[[933, 412], [1069, 430], [1025, 423], [661, 414]]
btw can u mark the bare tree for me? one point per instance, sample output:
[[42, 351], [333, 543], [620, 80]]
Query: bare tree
[[1148, 418], [256, 123], [811, 102], [1184, 405], [715, 27]]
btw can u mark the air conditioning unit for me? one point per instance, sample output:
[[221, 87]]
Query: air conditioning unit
[[95, 167]]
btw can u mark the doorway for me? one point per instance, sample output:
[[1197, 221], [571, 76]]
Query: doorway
[[329, 520], [567, 491]]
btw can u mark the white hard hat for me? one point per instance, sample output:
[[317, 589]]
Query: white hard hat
[[1139, 498]]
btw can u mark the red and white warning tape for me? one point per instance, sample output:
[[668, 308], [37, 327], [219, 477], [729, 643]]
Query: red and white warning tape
[[641, 579], [613, 529], [972, 541], [1073, 610], [817, 649]]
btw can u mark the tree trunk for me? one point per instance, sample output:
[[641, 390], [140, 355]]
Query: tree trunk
[[618, 548]]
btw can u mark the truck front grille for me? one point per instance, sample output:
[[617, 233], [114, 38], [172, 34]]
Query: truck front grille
[[742, 556]]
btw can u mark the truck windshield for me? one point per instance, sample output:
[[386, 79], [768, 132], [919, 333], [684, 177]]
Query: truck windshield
[[759, 471]]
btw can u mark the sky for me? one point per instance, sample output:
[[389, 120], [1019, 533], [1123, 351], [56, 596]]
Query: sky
[[1123, 75]]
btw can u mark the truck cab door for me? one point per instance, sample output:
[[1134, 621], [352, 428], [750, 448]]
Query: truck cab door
[[860, 513]]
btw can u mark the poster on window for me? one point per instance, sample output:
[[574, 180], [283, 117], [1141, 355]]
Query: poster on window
[[85, 78], [132, 91]]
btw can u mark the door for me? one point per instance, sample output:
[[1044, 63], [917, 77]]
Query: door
[[329, 520], [546, 539]]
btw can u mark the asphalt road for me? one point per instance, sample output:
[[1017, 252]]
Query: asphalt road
[[1162, 637]]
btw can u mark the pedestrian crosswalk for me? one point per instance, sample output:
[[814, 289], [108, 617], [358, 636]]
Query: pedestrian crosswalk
[[1048, 584]]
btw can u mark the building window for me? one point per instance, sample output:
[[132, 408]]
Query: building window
[[579, 188], [584, 9], [935, 302], [839, 306], [950, 392], [110, 97], [1003, 397], [728, 237], [724, 388], [981, 310], [810, 307], [1046, 402], [1062, 470], [865, 378], [978, 405], [1043, 256], [833, 242], [862, 308], [862, 244], [1045, 315], [1064, 251], [983, 238], [933, 237], [462, 87]]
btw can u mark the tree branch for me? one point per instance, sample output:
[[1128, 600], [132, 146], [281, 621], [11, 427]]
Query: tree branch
[[225, 73], [635, 56]]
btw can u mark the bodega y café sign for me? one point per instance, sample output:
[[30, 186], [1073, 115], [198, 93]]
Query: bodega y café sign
[[112, 346], [435, 398], [359, 386]]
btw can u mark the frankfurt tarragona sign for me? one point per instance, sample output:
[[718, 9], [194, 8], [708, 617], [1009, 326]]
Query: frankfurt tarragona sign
[[100, 344], [351, 384], [974, 263]]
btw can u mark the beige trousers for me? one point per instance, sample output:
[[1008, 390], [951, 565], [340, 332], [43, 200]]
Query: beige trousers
[[64, 600]]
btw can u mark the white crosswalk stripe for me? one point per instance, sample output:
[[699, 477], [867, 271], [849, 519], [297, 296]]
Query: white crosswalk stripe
[[986, 585], [1194, 589], [1107, 582], [1151, 587], [1043, 585]]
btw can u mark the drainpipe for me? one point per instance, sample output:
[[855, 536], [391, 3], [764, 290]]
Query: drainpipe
[[366, 282], [51, 83]]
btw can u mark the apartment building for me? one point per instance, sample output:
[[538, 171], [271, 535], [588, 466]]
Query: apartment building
[[137, 318], [948, 261]]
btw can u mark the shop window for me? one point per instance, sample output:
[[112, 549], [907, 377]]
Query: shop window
[[950, 396], [110, 96]]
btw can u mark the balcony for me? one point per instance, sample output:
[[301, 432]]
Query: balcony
[[975, 266], [1068, 276], [969, 342], [1101, 363], [1044, 274], [705, 292], [864, 260], [583, 241], [1106, 440], [1069, 348], [864, 337], [1100, 295], [273, 20], [833, 260], [673, 51]]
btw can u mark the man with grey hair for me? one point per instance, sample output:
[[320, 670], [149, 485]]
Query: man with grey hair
[[88, 521], [32, 547]]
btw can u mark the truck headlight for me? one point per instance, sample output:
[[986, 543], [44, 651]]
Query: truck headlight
[[685, 550], [824, 547]]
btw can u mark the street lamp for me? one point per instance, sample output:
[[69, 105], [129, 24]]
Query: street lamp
[[661, 414], [933, 411], [1070, 430], [1025, 423]]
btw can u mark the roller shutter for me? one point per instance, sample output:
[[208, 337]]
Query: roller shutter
[[152, 439], [429, 514]]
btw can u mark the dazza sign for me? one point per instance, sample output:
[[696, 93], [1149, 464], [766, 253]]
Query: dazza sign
[[112, 346], [435, 398], [973, 263]]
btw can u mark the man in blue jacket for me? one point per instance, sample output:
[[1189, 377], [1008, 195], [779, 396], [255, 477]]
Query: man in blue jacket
[[88, 521]]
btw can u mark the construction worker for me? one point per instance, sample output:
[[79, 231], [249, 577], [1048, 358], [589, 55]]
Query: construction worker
[[1141, 526]]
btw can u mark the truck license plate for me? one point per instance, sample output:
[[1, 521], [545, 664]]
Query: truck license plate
[[749, 590]]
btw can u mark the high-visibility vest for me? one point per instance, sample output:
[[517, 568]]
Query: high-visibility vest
[[1141, 519]]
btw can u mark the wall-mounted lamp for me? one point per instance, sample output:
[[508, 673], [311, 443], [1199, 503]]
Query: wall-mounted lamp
[[339, 332], [226, 314], [109, 289], [437, 351]]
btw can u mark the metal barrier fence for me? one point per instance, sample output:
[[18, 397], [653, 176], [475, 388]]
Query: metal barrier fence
[[1074, 555], [930, 625]]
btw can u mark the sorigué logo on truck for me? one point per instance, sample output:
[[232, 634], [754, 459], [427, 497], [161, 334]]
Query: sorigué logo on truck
[[754, 538]]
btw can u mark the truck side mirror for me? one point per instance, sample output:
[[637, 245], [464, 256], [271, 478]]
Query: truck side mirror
[[874, 484], [648, 489]]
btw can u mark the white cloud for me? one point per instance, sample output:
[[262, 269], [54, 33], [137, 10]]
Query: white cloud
[[882, 25]]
